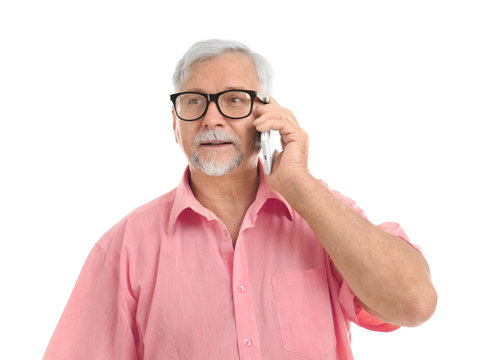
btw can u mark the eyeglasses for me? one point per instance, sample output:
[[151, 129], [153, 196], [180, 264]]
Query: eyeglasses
[[233, 104]]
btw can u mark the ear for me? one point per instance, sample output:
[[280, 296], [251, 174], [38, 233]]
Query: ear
[[174, 124]]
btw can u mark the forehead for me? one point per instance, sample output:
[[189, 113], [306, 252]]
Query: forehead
[[229, 70]]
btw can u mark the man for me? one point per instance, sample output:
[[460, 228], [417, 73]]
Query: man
[[236, 264]]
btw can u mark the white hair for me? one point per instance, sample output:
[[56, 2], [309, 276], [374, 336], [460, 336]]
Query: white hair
[[208, 49]]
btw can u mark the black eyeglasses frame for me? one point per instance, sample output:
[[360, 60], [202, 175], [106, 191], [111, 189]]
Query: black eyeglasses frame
[[214, 98]]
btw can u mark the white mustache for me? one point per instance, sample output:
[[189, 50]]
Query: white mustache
[[215, 135]]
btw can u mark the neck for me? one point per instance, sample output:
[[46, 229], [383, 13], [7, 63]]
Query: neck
[[228, 196], [238, 186]]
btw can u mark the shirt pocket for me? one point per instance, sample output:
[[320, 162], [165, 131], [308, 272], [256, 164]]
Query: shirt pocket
[[304, 311]]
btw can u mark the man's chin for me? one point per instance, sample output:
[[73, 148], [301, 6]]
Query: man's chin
[[215, 167]]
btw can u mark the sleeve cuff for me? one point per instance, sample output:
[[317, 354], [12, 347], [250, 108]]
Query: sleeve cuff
[[355, 313]]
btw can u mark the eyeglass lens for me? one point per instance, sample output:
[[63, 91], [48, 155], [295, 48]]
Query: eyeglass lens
[[234, 104]]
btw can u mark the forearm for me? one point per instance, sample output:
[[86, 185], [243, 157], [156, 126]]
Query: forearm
[[389, 277]]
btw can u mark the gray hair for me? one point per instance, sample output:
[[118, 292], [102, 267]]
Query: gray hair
[[208, 49]]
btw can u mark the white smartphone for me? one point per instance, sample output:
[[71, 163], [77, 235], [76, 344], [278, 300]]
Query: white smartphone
[[267, 147], [267, 150]]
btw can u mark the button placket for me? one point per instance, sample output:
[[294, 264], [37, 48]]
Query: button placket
[[245, 316]]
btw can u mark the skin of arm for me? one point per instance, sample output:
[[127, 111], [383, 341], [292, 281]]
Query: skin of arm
[[389, 277]]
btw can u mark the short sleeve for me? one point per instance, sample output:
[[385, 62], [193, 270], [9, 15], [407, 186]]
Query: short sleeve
[[99, 319]]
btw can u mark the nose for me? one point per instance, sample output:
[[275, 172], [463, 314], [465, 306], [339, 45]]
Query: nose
[[213, 118]]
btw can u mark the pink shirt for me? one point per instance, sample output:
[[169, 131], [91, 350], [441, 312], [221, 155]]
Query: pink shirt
[[166, 283]]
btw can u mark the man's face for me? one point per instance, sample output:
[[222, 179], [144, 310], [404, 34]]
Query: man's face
[[216, 144]]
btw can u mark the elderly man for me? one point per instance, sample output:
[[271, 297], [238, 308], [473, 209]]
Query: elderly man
[[234, 263]]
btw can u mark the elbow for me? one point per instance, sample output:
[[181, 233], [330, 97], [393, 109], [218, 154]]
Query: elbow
[[421, 308]]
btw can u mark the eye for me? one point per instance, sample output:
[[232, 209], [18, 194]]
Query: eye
[[236, 98], [196, 100]]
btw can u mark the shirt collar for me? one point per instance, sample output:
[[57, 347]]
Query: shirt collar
[[185, 199]]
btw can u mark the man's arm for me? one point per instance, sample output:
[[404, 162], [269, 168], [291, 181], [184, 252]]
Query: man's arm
[[390, 278]]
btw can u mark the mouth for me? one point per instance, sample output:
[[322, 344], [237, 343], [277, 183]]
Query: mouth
[[216, 143]]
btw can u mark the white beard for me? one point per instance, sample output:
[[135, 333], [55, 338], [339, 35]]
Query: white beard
[[211, 166]]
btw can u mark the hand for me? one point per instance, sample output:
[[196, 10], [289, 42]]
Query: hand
[[292, 163]]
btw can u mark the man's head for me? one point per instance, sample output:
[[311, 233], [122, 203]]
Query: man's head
[[219, 137], [207, 49]]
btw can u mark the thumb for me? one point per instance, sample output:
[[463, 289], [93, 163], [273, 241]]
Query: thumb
[[276, 160]]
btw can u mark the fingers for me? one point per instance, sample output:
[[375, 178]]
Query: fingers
[[274, 121], [274, 117], [269, 106], [273, 109]]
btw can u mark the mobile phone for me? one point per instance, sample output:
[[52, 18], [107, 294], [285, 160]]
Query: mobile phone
[[268, 151], [267, 147]]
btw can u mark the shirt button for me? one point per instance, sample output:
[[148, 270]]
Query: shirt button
[[241, 288], [225, 232], [247, 342]]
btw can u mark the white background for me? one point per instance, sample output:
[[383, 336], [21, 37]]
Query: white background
[[388, 92]]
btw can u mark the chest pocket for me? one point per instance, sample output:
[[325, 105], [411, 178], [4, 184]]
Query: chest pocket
[[304, 311]]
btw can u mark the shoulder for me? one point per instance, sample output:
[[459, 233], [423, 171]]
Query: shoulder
[[153, 209], [140, 225]]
